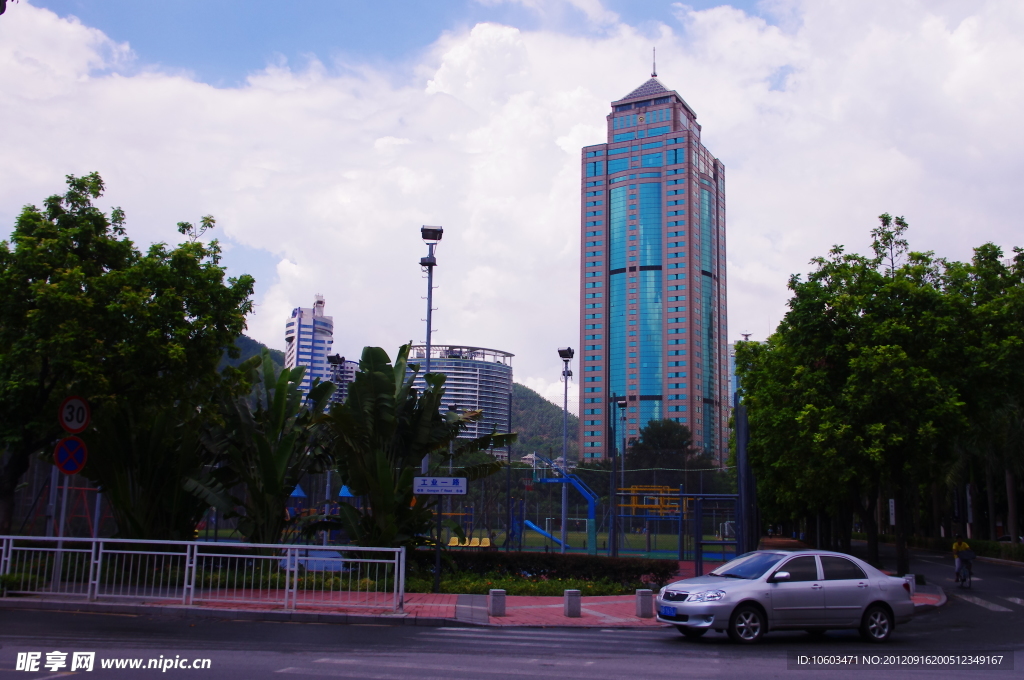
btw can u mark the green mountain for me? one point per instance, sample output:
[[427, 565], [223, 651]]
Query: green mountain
[[539, 425], [248, 348]]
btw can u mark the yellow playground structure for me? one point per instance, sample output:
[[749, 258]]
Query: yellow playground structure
[[650, 502]]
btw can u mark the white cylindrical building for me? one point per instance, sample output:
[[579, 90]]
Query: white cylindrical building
[[476, 379]]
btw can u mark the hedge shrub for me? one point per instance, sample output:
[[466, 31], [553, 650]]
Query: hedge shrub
[[625, 571]]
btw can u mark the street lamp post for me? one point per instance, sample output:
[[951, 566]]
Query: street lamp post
[[625, 444], [431, 235], [613, 548], [613, 534], [566, 353]]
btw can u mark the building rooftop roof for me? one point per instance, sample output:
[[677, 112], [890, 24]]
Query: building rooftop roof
[[648, 89], [653, 88], [461, 352]]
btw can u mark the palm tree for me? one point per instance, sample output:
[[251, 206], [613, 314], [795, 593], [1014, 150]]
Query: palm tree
[[266, 444], [378, 439]]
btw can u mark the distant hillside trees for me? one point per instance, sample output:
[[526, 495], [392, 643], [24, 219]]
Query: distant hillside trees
[[538, 423]]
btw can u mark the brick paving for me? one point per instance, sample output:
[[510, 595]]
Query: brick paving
[[596, 611]]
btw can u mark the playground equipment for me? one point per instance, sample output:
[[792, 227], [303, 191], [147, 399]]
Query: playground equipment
[[564, 477], [652, 506], [533, 527], [641, 500]]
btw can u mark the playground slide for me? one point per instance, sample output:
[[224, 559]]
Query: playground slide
[[534, 527]]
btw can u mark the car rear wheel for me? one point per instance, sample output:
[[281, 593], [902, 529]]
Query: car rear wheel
[[876, 626], [692, 633], [747, 625]]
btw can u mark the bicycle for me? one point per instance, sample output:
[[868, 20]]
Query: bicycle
[[963, 577]]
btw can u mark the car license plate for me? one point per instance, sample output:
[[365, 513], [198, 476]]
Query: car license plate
[[668, 611]]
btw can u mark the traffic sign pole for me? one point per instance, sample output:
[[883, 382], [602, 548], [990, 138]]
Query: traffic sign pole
[[438, 486], [63, 507]]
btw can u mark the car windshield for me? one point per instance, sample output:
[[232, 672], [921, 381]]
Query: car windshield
[[749, 566]]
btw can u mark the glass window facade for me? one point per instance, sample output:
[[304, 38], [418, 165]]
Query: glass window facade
[[643, 223]]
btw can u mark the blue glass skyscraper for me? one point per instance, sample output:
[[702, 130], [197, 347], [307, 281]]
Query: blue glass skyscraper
[[653, 308]]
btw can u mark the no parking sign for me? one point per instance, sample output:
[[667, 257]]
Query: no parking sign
[[70, 455]]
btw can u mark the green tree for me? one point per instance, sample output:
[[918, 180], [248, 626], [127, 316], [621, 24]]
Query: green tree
[[664, 455], [380, 435], [990, 325], [662, 443], [140, 456], [266, 449], [853, 390], [82, 311]]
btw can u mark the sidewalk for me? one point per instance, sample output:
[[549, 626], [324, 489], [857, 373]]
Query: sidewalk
[[421, 609], [424, 609]]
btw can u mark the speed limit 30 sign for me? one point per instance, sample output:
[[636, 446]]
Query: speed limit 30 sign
[[74, 415]]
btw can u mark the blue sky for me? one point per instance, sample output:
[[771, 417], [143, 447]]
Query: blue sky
[[222, 41], [322, 135]]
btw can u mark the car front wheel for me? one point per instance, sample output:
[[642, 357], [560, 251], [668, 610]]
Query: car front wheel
[[747, 624], [876, 626]]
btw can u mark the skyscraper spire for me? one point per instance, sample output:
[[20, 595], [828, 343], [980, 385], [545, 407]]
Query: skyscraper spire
[[654, 62]]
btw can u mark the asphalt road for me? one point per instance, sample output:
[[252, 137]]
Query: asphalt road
[[988, 618]]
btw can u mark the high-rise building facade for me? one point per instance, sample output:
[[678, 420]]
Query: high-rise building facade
[[341, 372], [475, 379], [308, 336], [652, 298]]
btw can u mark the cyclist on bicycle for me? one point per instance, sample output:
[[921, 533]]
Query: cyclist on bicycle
[[958, 546]]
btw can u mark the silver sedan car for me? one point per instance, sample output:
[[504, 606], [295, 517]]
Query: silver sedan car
[[808, 590]]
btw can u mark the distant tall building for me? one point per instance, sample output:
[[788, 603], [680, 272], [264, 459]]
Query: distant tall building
[[341, 372], [309, 336], [475, 379], [653, 306]]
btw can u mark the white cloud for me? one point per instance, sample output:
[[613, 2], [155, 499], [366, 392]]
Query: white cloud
[[827, 118]]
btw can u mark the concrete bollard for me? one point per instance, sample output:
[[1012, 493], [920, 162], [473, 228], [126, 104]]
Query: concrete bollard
[[572, 604], [645, 603], [496, 603]]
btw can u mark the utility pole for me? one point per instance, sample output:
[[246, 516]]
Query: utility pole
[[566, 354], [613, 510], [508, 480], [431, 235]]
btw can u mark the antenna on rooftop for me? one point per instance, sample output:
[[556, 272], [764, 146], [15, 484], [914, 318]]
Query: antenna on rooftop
[[654, 62]]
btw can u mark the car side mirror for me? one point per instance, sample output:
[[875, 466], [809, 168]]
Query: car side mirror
[[779, 576]]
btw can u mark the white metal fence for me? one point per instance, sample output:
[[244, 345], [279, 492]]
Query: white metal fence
[[287, 576]]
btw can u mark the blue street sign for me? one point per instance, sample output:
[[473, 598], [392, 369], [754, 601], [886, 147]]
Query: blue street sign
[[70, 455], [439, 485]]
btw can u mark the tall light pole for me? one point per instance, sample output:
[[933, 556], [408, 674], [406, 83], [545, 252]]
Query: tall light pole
[[431, 235], [613, 524], [625, 443], [613, 548], [566, 353]]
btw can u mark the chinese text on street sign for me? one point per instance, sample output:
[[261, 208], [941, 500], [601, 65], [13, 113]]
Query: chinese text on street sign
[[439, 485]]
